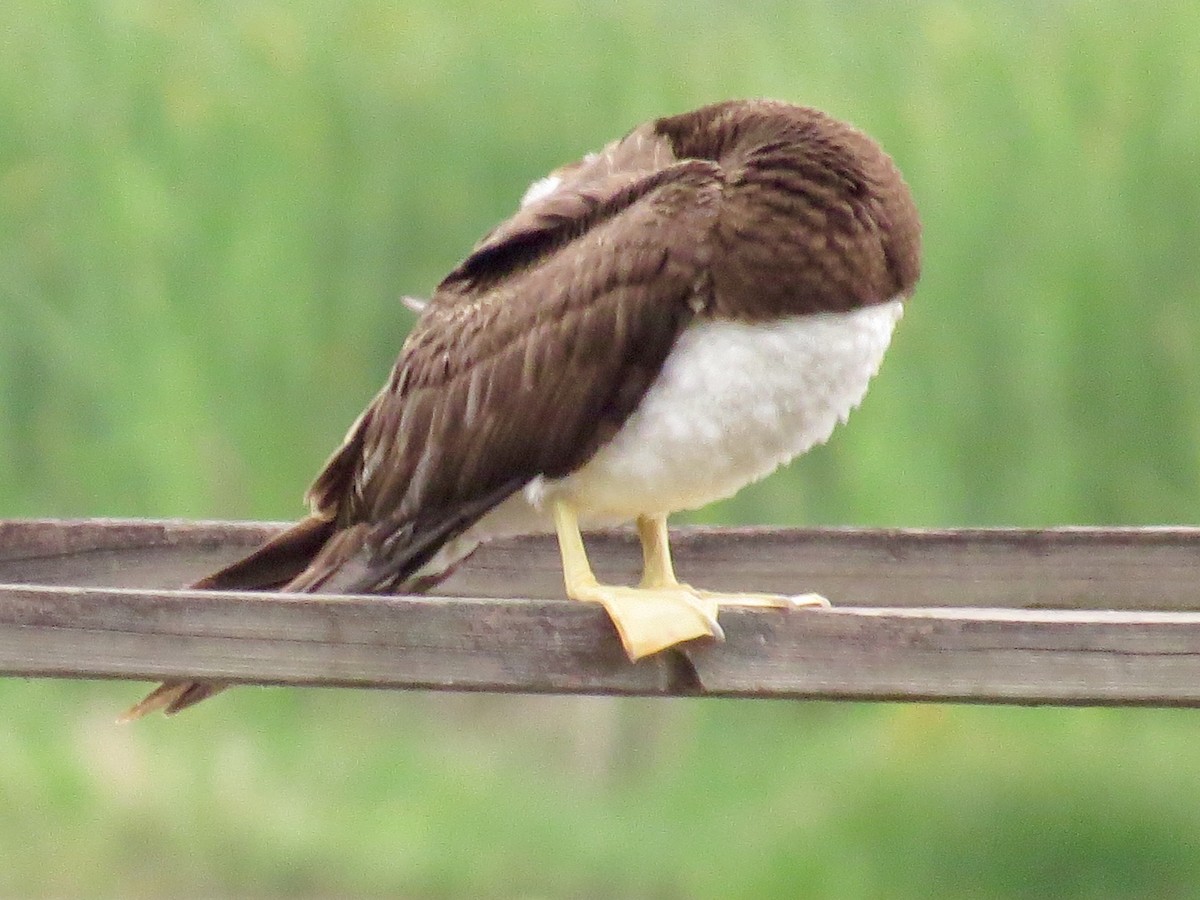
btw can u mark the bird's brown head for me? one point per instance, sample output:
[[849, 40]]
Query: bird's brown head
[[816, 215]]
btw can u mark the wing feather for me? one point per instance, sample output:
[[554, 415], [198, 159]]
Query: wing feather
[[529, 356]]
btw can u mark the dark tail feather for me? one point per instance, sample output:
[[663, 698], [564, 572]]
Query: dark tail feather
[[171, 697], [274, 565]]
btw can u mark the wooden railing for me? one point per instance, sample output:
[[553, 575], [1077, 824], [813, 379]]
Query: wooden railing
[[1065, 616]]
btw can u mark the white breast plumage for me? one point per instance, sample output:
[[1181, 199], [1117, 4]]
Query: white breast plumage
[[733, 402]]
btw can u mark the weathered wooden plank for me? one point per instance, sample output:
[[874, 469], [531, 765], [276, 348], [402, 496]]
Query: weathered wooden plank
[[1059, 568], [1004, 656], [166, 553]]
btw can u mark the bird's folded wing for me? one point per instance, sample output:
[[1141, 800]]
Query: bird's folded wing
[[530, 355]]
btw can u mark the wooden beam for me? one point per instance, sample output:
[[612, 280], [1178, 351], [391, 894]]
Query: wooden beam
[[1066, 616], [995, 656], [1054, 568]]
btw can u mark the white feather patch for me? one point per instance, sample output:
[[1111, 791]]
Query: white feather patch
[[543, 187], [734, 402]]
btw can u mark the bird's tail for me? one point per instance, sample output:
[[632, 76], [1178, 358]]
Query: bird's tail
[[317, 554], [171, 697], [283, 563]]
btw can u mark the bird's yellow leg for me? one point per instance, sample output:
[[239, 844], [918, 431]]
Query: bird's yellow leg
[[659, 572], [657, 569], [651, 617]]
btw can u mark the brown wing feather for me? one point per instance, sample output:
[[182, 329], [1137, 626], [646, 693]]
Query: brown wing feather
[[493, 390]]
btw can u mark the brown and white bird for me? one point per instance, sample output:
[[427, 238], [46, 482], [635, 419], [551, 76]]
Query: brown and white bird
[[658, 325]]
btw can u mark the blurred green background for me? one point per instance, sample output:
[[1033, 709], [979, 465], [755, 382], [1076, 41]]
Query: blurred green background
[[208, 213]]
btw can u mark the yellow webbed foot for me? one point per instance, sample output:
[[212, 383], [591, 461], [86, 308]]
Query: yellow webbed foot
[[650, 619], [661, 612]]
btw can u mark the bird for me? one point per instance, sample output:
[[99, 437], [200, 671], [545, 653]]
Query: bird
[[658, 324]]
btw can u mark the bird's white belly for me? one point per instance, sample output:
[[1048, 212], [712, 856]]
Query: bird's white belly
[[733, 402]]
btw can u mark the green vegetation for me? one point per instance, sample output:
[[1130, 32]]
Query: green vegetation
[[208, 213]]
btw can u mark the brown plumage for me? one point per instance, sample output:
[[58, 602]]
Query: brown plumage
[[537, 348]]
